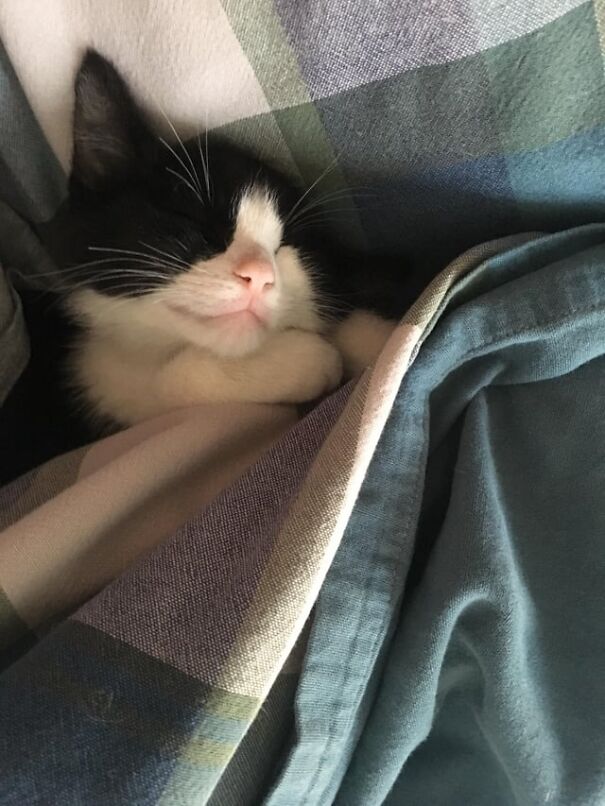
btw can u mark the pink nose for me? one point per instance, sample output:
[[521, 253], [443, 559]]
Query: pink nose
[[257, 273]]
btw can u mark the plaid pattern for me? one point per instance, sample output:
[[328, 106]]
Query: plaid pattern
[[438, 109], [210, 616], [147, 608]]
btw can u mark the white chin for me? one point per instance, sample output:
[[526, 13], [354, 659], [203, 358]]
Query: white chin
[[237, 333], [231, 335]]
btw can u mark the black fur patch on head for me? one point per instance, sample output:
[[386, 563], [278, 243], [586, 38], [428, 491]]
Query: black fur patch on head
[[137, 200], [142, 209]]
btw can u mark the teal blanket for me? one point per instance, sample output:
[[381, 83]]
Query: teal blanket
[[458, 649]]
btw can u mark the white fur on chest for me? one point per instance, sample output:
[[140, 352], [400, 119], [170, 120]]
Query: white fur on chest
[[131, 379], [293, 366]]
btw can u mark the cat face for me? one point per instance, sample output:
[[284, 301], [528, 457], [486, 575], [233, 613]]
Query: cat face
[[174, 242]]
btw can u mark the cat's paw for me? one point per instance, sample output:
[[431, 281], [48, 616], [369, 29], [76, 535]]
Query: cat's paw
[[360, 339], [308, 366]]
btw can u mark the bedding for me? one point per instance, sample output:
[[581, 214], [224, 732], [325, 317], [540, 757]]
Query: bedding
[[399, 596]]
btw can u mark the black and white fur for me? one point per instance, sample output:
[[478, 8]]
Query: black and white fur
[[184, 267], [154, 249]]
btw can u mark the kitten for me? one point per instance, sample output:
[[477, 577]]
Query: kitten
[[184, 276], [187, 279]]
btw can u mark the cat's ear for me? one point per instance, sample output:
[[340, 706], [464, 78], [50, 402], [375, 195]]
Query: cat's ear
[[110, 134]]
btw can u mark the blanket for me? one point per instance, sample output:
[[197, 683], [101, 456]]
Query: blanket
[[399, 597]]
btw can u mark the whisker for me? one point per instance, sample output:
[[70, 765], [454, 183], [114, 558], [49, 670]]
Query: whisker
[[336, 195], [148, 276], [330, 212], [180, 243], [114, 288], [193, 173], [153, 259], [168, 255], [143, 274], [179, 160], [187, 154], [207, 157], [69, 270], [318, 221], [186, 182], [313, 185], [327, 201], [204, 166]]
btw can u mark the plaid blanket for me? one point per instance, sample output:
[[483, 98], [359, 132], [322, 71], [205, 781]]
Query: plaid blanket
[[155, 588]]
